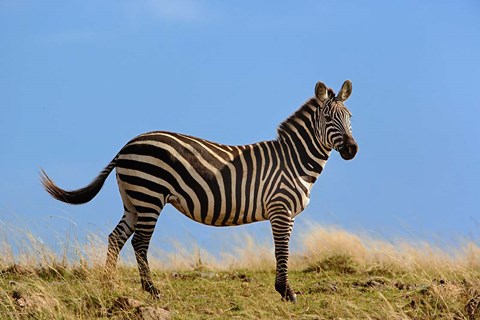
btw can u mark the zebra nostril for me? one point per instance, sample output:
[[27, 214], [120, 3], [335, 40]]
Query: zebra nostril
[[353, 148]]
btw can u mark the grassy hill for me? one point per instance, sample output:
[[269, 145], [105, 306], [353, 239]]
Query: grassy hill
[[337, 276]]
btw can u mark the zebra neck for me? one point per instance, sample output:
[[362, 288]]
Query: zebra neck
[[303, 150], [303, 157]]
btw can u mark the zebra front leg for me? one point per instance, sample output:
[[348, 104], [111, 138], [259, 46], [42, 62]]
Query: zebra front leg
[[282, 226], [140, 242]]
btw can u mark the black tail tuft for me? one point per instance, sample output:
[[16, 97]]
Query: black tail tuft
[[79, 196]]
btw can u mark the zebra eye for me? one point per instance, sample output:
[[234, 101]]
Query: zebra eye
[[328, 118]]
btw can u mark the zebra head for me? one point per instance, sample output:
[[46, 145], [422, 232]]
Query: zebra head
[[333, 120]]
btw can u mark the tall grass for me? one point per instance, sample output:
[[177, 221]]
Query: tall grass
[[320, 242], [341, 274], [316, 243]]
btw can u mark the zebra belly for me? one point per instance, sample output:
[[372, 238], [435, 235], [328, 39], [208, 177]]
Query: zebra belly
[[236, 216]]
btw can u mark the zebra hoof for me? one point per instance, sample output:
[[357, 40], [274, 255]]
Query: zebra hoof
[[150, 288], [290, 297], [293, 298], [155, 293], [287, 293]]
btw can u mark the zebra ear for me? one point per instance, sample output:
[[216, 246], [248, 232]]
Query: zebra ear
[[321, 91], [346, 91]]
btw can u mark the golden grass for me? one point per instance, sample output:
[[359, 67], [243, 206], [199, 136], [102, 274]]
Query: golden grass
[[246, 252], [320, 242], [338, 275]]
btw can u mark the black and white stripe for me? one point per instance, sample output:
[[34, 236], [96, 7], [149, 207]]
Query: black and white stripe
[[222, 185]]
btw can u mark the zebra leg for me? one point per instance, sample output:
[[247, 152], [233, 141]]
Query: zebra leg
[[141, 241], [117, 239], [282, 227]]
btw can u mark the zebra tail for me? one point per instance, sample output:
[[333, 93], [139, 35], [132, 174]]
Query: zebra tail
[[82, 195]]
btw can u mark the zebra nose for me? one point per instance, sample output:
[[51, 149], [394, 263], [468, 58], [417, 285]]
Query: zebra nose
[[349, 148]]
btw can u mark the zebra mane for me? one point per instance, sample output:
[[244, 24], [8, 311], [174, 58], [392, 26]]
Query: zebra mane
[[306, 110]]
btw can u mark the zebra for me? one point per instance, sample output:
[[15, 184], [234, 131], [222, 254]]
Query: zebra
[[223, 185]]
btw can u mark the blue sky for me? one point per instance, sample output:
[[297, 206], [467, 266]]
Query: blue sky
[[78, 79]]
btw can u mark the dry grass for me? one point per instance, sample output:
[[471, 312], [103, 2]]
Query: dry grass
[[320, 242], [337, 275]]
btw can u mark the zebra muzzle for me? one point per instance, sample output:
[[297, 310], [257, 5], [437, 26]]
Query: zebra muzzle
[[349, 148]]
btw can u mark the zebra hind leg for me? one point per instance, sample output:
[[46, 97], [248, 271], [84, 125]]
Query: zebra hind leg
[[282, 226], [117, 239], [140, 242]]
